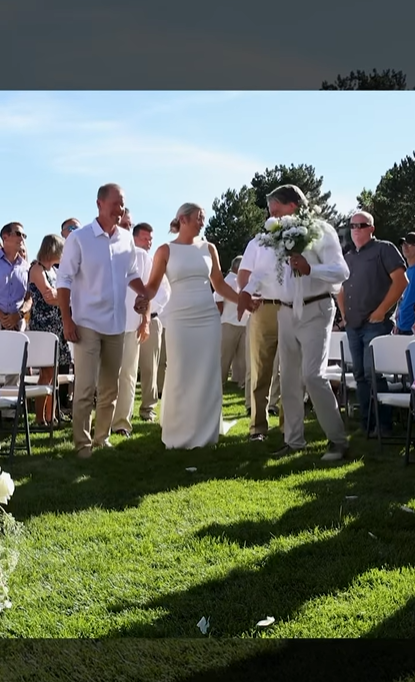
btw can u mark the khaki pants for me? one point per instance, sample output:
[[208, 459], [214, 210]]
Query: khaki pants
[[233, 351], [124, 407], [148, 362], [161, 371], [304, 346], [263, 341], [97, 359]]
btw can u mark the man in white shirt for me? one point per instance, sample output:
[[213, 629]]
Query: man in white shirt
[[304, 342], [263, 328], [121, 423], [98, 264], [150, 351], [233, 330]]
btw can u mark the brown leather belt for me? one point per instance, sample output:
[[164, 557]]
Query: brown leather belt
[[271, 301], [321, 297]]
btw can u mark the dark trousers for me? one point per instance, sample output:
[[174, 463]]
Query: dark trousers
[[359, 340]]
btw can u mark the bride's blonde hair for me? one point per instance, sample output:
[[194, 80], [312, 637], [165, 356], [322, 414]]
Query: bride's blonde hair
[[184, 211]]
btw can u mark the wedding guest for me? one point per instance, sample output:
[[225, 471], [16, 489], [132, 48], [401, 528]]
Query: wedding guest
[[367, 301], [233, 330], [68, 226], [45, 314], [126, 220], [304, 341], [405, 314], [263, 330], [149, 356], [98, 263], [15, 300]]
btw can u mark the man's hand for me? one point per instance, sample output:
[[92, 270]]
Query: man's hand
[[298, 262], [246, 302], [143, 332], [70, 331], [377, 316], [50, 296], [141, 304]]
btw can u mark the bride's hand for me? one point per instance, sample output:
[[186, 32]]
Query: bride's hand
[[141, 304]]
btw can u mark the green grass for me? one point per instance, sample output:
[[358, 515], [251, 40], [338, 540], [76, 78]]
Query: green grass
[[130, 544]]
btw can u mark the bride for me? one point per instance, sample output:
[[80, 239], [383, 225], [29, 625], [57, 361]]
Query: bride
[[191, 406]]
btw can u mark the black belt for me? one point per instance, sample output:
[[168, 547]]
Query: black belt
[[153, 315], [272, 301], [309, 300]]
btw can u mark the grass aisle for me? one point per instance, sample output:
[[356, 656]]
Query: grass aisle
[[131, 544]]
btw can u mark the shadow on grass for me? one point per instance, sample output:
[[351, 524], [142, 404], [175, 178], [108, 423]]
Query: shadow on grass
[[55, 480], [290, 576]]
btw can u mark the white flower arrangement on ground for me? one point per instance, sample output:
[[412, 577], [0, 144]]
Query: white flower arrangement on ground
[[291, 234], [9, 531]]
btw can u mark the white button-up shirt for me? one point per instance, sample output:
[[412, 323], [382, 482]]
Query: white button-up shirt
[[328, 269], [261, 262], [97, 269], [230, 310]]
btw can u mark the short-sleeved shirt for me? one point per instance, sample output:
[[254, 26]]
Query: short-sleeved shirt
[[369, 281], [13, 283]]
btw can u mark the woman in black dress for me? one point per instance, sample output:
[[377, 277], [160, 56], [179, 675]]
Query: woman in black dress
[[45, 314]]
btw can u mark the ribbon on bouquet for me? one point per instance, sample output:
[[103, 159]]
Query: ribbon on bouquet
[[298, 297]]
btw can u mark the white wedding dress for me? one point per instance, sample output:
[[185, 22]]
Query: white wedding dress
[[191, 404]]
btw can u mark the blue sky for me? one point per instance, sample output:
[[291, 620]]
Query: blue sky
[[166, 148]]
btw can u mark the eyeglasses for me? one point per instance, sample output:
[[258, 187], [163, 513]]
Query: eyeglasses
[[70, 228], [359, 226], [17, 233]]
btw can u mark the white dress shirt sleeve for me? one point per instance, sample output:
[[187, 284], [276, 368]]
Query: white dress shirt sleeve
[[162, 296], [70, 262], [332, 267], [249, 257]]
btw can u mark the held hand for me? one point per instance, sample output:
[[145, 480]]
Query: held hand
[[50, 295], [298, 262], [376, 316], [70, 331], [143, 332], [245, 302], [141, 304]]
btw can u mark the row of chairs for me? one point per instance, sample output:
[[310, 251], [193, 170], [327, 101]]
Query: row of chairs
[[393, 356], [18, 352]]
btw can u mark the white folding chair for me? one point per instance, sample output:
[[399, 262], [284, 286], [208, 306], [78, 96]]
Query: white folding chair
[[410, 359], [43, 352], [388, 357], [13, 360]]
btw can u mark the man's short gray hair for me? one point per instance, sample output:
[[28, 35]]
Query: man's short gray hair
[[288, 194], [366, 215]]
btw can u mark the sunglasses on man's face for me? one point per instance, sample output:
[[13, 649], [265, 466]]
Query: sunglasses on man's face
[[70, 228], [17, 233], [359, 226]]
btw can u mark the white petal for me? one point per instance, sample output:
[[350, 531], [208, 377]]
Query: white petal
[[408, 509], [191, 469], [269, 620]]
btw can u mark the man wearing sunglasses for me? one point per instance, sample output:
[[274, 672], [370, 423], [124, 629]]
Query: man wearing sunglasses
[[68, 226], [367, 301], [15, 301]]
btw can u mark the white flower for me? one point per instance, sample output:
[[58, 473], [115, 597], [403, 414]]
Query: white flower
[[6, 487], [289, 244], [272, 224], [316, 210]]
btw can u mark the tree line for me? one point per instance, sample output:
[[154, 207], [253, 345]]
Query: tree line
[[239, 215]]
